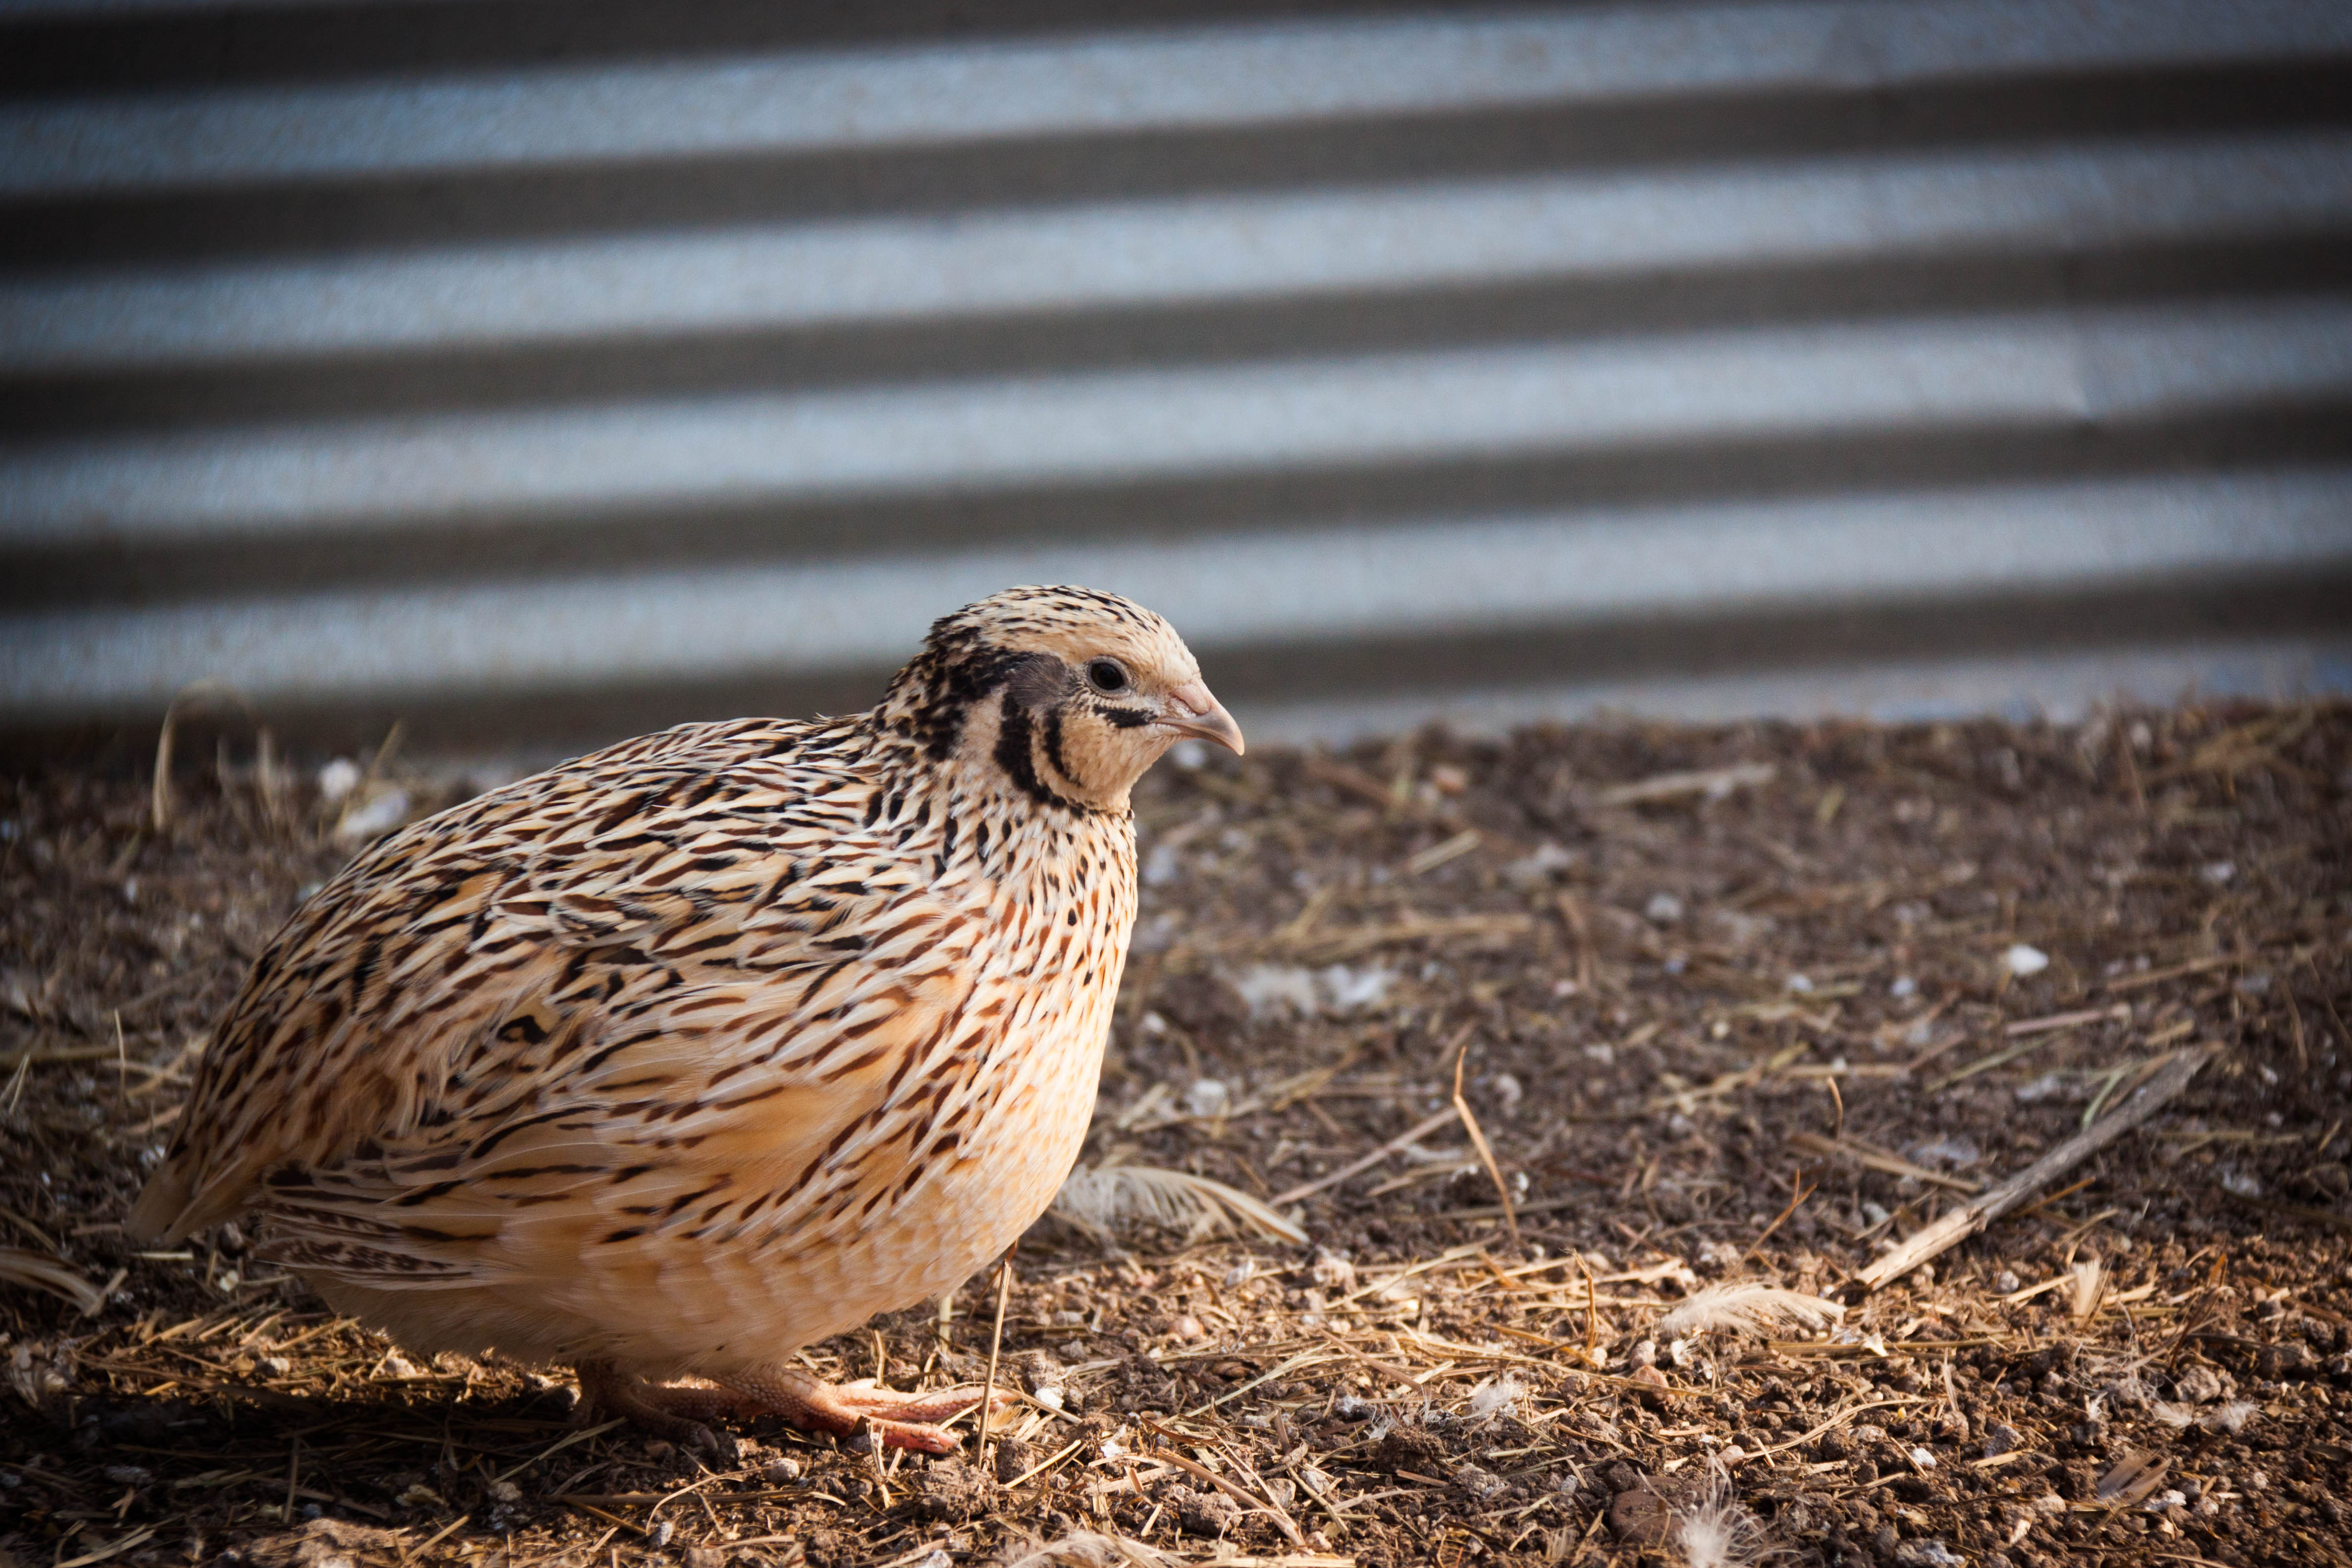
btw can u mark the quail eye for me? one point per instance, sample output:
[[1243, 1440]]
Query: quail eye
[[1106, 676]]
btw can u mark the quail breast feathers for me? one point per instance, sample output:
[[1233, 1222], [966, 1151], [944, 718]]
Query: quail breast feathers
[[684, 1055]]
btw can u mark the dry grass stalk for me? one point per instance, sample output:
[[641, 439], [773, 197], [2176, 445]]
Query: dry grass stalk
[[2001, 1058], [995, 1353], [1440, 852], [160, 802], [1802, 1192], [1412, 1135], [39, 1271], [1591, 1312], [1485, 1150], [29, 1228], [1044, 1465], [2024, 1026], [1875, 1159], [1713, 783], [1248, 1499], [161, 805], [1978, 1212], [2132, 1478], [2174, 972], [115, 1548]]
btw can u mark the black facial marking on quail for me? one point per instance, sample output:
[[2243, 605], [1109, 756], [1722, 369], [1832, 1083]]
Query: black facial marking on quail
[[1015, 753], [1036, 680], [1054, 755]]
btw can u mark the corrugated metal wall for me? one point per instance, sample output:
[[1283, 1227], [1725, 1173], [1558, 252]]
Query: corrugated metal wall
[[541, 371]]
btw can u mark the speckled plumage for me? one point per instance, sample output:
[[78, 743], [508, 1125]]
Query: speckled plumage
[[689, 1053]]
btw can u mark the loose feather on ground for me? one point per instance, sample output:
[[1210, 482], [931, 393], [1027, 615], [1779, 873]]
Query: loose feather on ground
[[1748, 1307], [1120, 1198]]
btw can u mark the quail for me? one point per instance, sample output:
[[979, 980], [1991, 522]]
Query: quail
[[690, 1053]]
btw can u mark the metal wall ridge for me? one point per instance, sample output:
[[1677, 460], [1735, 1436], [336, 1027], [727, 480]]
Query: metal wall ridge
[[1450, 575], [2088, 369], [2053, 201], [1232, 77]]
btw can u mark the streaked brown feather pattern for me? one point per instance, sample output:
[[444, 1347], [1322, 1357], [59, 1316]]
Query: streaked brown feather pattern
[[700, 1048]]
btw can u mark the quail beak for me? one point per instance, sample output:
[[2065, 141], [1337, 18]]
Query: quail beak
[[1191, 711]]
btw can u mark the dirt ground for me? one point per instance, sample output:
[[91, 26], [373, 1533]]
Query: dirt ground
[[1759, 1023]]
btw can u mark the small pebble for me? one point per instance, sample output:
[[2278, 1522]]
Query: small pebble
[[1333, 1270], [337, 779], [1928, 1553], [1640, 1518], [2199, 1384]]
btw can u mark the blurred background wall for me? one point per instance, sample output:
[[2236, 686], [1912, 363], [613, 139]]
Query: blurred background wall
[[537, 372]]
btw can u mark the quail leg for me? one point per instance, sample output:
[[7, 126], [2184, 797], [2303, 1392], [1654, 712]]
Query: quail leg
[[679, 1412], [899, 1420], [683, 1412]]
